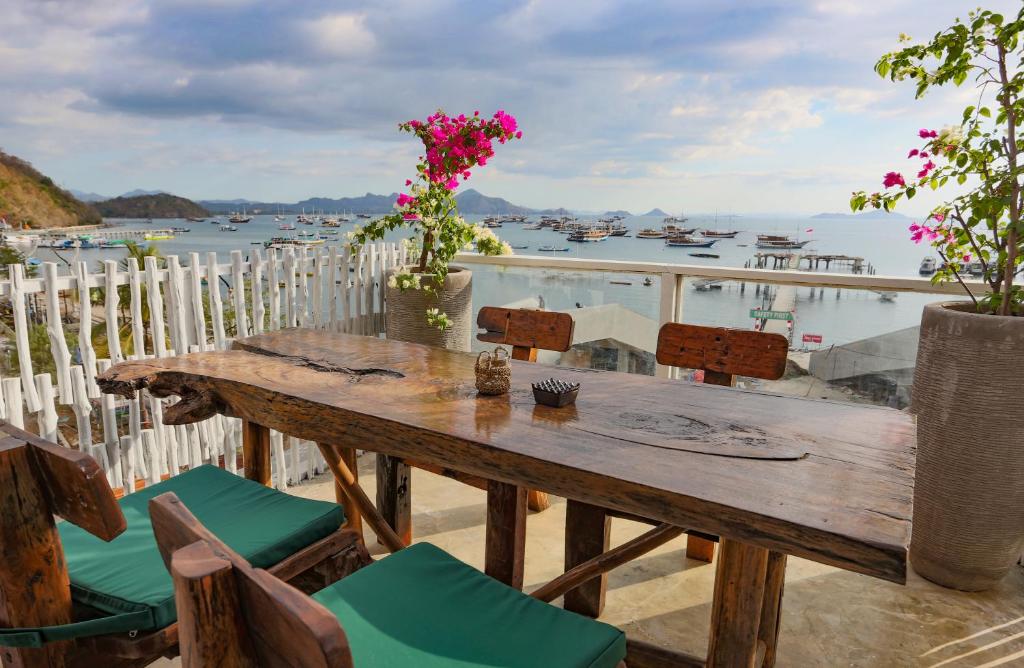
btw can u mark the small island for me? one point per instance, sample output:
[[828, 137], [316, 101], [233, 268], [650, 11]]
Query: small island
[[150, 206]]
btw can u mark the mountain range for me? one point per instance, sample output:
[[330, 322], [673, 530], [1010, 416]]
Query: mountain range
[[875, 214], [471, 202]]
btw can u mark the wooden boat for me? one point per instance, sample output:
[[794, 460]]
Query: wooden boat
[[235, 219], [588, 235], [677, 230], [648, 233], [552, 249], [685, 241], [710, 255], [716, 234], [781, 244]]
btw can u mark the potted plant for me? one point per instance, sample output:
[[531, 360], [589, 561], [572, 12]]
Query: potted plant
[[430, 301], [968, 520]]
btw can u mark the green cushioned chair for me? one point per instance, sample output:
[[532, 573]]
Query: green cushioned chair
[[418, 607], [97, 579], [127, 575]]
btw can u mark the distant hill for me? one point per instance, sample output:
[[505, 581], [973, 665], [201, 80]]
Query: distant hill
[[656, 212], [620, 212], [88, 197], [31, 199], [150, 206], [474, 202], [139, 193], [875, 214]]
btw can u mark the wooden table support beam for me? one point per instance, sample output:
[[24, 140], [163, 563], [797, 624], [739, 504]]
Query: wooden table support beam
[[587, 532], [736, 607], [353, 517], [505, 546], [256, 452], [394, 495]]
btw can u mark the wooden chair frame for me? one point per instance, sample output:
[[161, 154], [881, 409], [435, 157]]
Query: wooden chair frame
[[722, 354], [526, 331], [39, 480]]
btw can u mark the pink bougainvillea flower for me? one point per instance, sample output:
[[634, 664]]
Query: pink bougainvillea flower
[[452, 183], [939, 217], [927, 167], [404, 200], [912, 153], [893, 179], [967, 257], [409, 216], [927, 134]]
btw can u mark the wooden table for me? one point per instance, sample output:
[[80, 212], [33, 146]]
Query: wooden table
[[772, 475]]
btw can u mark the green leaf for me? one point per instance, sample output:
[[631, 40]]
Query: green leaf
[[985, 111]]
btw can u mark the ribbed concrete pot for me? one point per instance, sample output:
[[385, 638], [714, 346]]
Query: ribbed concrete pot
[[406, 311], [968, 394]]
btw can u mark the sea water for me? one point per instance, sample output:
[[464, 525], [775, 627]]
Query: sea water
[[839, 316]]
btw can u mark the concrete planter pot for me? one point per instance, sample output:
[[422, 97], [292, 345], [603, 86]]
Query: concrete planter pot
[[406, 311], [968, 528]]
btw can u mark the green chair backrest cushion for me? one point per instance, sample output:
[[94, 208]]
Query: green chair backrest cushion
[[127, 574]]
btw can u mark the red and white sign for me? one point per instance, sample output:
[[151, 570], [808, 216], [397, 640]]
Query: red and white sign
[[812, 338]]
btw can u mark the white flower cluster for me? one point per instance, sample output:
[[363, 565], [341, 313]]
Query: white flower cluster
[[950, 135], [404, 281], [437, 319]]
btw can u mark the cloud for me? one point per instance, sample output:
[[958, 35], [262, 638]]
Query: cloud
[[607, 91]]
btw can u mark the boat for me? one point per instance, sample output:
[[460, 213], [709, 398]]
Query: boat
[[689, 242], [196, 220], [362, 215], [181, 229], [290, 242], [532, 226], [784, 243], [677, 230], [228, 228], [157, 237], [976, 268], [238, 218], [286, 226], [674, 220], [524, 247], [648, 282], [620, 283], [717, 234], [928, 266], [588, 235], [710, 255], [617, 231], [552, 249], [648, 233]]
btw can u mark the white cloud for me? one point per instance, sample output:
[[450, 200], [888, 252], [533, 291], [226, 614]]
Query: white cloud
[[340, 35]]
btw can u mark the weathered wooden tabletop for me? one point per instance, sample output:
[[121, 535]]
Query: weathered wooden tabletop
[[827, 481]]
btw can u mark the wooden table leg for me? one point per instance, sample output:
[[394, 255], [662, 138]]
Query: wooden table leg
[[700, 549], [353, 519], [505, 546], [587, 530], [771, 608], [256, 452], [394, 495], [736, 608]]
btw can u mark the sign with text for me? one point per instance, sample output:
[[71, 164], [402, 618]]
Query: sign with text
[[771, 315], [812, 338]]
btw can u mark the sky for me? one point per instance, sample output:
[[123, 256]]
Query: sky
[[737, 106]]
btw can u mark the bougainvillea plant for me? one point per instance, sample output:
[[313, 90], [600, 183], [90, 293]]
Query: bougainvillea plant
[[453, 146], [980, 158]]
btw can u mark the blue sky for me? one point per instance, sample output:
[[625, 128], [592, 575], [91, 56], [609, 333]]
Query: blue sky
[[742, 106]]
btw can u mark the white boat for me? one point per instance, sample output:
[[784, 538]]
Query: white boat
[[228, 228], [23, 243], [928, 266]]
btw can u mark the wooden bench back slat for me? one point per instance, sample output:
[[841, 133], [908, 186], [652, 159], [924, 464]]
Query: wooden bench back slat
[[723, 352], [525, 329], [268, 622]]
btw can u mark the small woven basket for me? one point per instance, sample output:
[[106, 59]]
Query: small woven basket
[[493, 372]]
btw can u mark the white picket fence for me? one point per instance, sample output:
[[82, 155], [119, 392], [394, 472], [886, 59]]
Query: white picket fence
[[330, 288]]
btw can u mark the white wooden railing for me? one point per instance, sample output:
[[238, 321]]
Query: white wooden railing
[[326, 288]]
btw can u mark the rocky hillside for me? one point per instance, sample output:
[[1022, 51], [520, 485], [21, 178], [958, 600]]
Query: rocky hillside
[[151, 206], [33, 200]]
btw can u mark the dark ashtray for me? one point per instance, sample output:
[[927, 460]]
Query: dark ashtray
[[555, 393]]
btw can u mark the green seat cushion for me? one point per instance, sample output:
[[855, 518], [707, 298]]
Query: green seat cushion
[[423, 607], [127, 574]]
